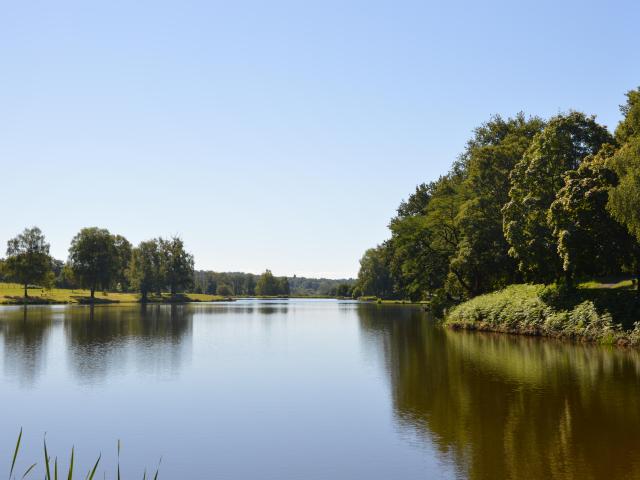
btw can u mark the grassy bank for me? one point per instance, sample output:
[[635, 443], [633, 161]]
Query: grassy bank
[[13, 294], [592, 313]]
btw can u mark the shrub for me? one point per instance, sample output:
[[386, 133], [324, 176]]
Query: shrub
[[539, 310]]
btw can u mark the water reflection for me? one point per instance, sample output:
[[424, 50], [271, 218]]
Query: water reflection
[[98, 340], [25, 333], [106, 340], [508, 407]]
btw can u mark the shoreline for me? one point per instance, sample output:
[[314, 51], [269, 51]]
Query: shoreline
[[583, 316]]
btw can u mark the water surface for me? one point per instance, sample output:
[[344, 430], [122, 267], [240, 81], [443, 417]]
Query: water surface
[[312, 390]]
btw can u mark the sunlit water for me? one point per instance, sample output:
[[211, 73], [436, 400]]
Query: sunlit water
[[311, 390]]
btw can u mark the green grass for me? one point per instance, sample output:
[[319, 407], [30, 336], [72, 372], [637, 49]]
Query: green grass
[[51, 469], [607, 315], [12, 293]]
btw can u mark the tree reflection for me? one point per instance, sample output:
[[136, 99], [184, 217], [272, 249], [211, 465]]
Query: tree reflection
[[504, 407], [105, 339], [99, 339], [24, 332]]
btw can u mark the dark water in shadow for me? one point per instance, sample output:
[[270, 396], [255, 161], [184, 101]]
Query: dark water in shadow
[[312, 390]]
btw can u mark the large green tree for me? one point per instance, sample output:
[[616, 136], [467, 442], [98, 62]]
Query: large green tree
[[123, 250], [94, 258], [624, 198], [590, 241], [374, 276], [177, 265], [28, 260], [563, 144], [624, 202], [145, 268], [481, 257]]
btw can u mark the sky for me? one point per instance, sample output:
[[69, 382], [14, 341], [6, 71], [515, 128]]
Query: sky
[[276, 134]]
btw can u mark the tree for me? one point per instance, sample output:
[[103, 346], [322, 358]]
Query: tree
[[28, 259], [624, 198], [250, 284], [93, 258], [224, 290], [624, 202], [123, 252], [590, 241], [267, 284], [342, 290], [283, 286], [416, 202], [177, 264], [374, 276], [145, 268], [481, 258], [422, 244], [536, 179], [212, 286]]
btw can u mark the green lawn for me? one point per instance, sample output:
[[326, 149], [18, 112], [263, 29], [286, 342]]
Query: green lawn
[[12, 293]]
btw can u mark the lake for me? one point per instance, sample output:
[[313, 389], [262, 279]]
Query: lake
[[311, 389]]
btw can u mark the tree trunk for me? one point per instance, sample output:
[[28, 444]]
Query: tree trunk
[[26, 292], [568, 279], [93, 292], [144, 296]]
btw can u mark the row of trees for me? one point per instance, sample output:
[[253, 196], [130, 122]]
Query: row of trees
[[244, 284], [528, 200], [100, 260]]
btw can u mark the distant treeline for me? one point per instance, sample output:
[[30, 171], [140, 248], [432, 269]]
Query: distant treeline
[[100, 260], [528, 200], [248, 284]]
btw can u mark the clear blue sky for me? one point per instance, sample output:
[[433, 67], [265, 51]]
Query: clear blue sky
[[276, 134]]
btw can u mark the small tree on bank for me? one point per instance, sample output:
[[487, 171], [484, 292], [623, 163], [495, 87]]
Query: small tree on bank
[[28, 259]]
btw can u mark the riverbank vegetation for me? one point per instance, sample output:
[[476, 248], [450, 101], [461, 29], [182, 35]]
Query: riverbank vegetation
[[107, 268], [544, 202], [13, 294], [583, 314]]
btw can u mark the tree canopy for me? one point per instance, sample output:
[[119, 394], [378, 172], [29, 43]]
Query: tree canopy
[[528, 199], [28, 260]]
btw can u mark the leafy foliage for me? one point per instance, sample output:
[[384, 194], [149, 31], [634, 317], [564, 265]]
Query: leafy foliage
[[589, 241], [28, 259], [94, 258], [268, 285], [624, 200], [145, 272], [177, 264], [528, 200], [559, 148]]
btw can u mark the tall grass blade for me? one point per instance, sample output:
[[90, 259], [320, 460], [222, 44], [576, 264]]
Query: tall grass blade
[[28, 471], [55, 469], [155, 477], [95, 467], [70, 475], [15, 454], [118, 459], [46, 460]]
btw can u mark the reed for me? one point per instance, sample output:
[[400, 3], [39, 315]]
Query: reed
[[52, 470]]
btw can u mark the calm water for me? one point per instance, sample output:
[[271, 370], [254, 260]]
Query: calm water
[[312, 390]]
